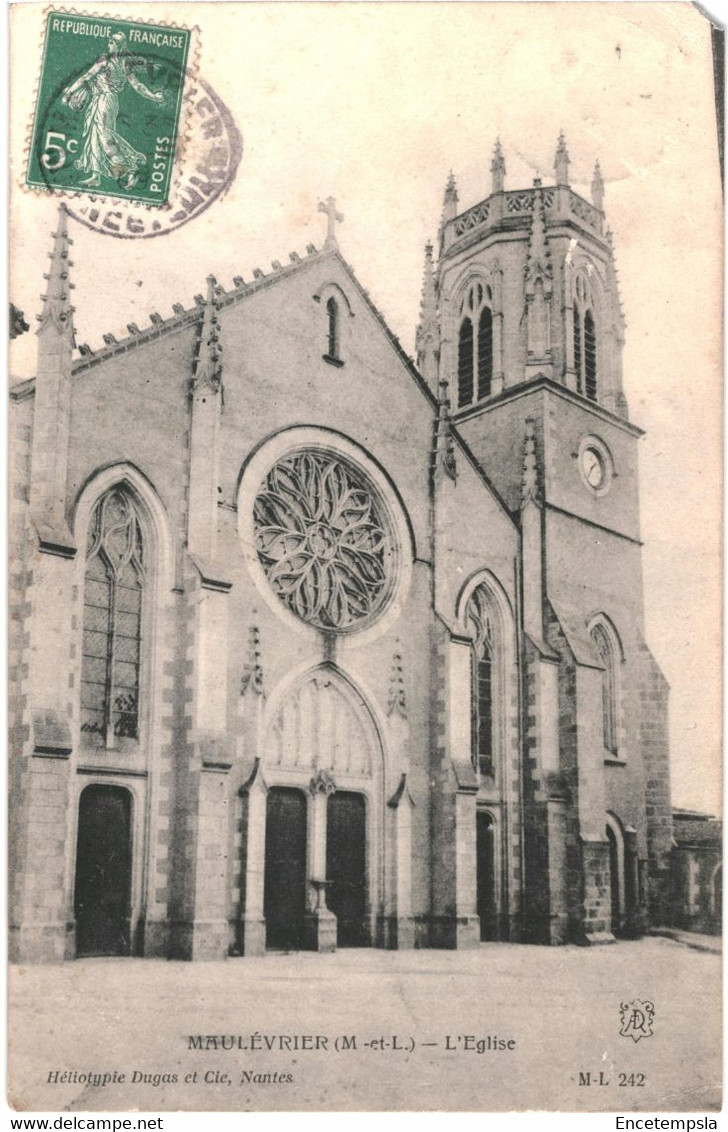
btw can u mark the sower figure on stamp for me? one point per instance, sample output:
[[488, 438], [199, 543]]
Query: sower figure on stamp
[[105, 152]]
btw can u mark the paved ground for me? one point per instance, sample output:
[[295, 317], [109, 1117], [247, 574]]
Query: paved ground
[[561, 1007]]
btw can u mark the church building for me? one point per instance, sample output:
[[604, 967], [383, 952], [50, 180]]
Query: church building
[[316, 645]]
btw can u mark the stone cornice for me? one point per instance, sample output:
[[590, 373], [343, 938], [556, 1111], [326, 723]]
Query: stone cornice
[[550, 386]]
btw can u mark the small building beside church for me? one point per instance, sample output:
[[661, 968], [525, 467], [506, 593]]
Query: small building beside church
[[697, 865], [315, 645]]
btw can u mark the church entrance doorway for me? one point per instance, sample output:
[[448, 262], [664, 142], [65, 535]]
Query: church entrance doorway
[[346, 867], [284, 894], [485, 855], [102, 891]]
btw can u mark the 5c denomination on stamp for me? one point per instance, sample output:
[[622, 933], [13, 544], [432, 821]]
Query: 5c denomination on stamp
[[108, 110]]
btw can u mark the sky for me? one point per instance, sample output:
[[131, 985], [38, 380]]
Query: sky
[[374, 104]]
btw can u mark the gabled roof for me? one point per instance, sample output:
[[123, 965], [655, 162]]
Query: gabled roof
[[185, 317]]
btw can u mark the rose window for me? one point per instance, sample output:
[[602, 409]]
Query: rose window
[[324, 540]]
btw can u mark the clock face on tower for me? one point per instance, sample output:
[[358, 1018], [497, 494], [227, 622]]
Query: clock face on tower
[[593, 467], [595, 464]]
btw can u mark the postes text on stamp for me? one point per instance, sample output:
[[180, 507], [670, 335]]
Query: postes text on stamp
[[108, 108]]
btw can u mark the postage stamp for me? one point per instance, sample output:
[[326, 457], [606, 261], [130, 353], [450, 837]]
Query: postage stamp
[[213, 149], [108, 110]]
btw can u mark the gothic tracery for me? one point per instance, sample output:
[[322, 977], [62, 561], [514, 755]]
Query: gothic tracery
[[323, 539]]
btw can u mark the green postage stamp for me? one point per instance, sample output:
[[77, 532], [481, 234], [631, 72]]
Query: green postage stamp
[[108, 108]]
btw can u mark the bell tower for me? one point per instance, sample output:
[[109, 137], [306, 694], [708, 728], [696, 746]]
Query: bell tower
[[525, 306], [527, 329], [559, 313]]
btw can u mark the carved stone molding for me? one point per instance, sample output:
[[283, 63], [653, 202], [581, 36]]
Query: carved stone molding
[[322, 783]]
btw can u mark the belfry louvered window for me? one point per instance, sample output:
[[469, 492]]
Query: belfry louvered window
[[585, 343], [112, 621], [485, 353], [577, 350], [590, 357], [465, 363], [475, 346]]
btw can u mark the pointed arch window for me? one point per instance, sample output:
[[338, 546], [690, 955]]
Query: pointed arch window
[[585, 342], [590, 357], [484, 682], [465, 363], [485, 353], [475, 345], [112, 621], [606, 649], [577, 350], [332, 319], [484, 709]]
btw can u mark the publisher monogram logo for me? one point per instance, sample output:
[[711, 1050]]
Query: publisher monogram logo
[[637, 1019]]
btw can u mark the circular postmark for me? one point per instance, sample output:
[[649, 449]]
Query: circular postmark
[[209, 153]]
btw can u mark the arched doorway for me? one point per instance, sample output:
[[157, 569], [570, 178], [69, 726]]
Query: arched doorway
[[323, 878], [284, 897], [102, 891], [485, 855], [622, 877]]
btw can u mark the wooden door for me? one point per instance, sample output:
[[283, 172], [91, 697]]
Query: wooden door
[[346, 867], [614, 879], [485, 856], [284, 894], [102, 893]]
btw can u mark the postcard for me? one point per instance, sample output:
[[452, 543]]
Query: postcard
[[365, 482]]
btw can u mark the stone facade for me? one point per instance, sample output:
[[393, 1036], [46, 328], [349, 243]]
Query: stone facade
[[697, 872], [316, 646]]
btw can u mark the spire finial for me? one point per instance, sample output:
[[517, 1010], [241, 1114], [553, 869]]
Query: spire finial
[[332, 218], [57, 310], [450, 200], [597, 187], [529, 479], [428, 300], [498, 168], [561, 162], [538, 288], [539, 254], [613, 285], [427, 335], [451, 189], [208, 370]]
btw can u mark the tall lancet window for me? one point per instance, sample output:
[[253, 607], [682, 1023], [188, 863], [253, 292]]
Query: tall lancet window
[[590, 357], [483, 683], [332, 315], [585, 342], [465, 363], [475, 346], [485, 353], [112, 616], [577, 350], [607, 651]]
